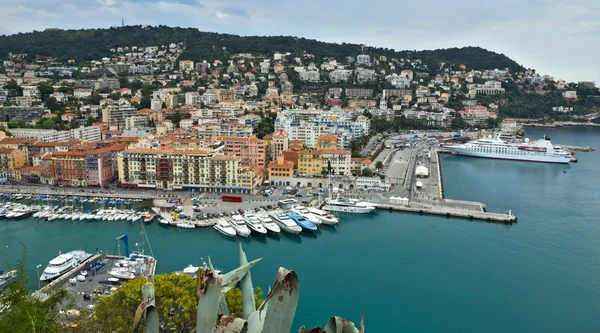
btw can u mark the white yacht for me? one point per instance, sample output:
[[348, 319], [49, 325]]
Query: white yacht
[[324, 216], [536, 151], [254, 223], [185, 225], [225, 228], [285, 223], [123, 273], [64, 263], [346, 205], [268, 223], [298, 209], [239, 224]]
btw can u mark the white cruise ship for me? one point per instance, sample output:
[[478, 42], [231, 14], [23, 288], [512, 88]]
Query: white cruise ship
[[345, 205], [536, 151], [64, 263]]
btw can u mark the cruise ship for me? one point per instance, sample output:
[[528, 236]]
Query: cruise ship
[[536, 151], [64, 263]]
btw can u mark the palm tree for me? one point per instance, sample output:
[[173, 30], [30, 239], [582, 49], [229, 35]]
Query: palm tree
[[379, 165]]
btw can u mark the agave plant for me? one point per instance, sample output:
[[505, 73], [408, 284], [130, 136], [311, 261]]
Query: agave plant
[[274, 315]]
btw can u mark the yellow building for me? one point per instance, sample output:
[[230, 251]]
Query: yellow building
[[314, 162], [172, 169], [281, 169], [19, 143], [327, 142], [11, 159], [309, 162]]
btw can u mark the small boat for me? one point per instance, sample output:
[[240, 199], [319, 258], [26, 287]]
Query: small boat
[[186, 225], [285, 223], [564, 171], [163, 221], [324, 216], [254, 224], [269, 224], [122, 273], [148, 218], [84, 273], [225, 228], [239, 224], [302, 221], [136, 218], [80, 278]]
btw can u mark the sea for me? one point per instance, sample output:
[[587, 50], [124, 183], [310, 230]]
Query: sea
[[407, 272]]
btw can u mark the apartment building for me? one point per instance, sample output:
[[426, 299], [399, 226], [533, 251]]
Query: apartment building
[[117, 111], [313, 162], [251, 151], [69, 168], [279, 143], [359, 92], [11, 159]]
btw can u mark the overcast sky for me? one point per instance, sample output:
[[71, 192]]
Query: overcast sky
[[559, 38]]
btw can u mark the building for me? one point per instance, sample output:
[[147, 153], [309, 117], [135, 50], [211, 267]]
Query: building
[[570, 94], [476, 115], [359, 92], [281, 168], [327, 142], [116, 112], [279, 143], [372, 183], [340, 75], [26, 114], [171, 169], [251, 151], [23, 144], [10, 160], [192, 97], [186, 65], [363, 59], [488, 88], [101, 165], [90, 133], [136, 122], [315, 162], [69, 168]]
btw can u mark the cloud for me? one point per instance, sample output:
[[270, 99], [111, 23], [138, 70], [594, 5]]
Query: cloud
[[556, 37]]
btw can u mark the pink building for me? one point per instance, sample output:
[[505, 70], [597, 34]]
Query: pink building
[[101, 165], [251, 151]]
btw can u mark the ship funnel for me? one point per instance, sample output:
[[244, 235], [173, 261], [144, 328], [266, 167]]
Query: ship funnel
[[526, 140]]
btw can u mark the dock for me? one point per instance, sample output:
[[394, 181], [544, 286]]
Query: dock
[[450, 212], [578, 148]]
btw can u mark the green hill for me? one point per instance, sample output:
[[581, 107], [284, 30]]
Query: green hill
[[91, 44]]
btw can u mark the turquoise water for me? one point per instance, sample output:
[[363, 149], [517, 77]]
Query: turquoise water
[[411, 273]]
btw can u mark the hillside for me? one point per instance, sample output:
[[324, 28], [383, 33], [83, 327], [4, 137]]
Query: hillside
[[91, 44]]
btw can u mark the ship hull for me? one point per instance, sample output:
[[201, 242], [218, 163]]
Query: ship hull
[[522, 158]]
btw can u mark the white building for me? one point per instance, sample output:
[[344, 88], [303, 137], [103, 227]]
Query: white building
[[91, 133], [117, 111], [192, 98], [363, 59], [186, 123], [310, 76], [137, 121], [340, 75], [372, 183], [156, 104]]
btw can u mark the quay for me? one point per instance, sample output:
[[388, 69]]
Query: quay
[[105, 194], [450, 212], [578, 148]]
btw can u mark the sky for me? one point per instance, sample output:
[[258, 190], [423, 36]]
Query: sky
[[555, 37]]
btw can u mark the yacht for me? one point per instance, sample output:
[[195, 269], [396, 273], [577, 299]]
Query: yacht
[[64, 263], [238, 223], [225, 228], [536, 151], [269, 224], [301, 210], [346, 205], [254, 223], [302, 221], [6, 278], [185, 225], [285, 223], [324, 216], [123, 273]]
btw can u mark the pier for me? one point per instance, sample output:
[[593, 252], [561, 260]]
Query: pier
[[450, 212]]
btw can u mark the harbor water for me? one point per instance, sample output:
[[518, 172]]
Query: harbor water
[[406, 272]]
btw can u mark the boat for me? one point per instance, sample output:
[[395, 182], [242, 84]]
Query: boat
[[63, 263], [324, 216], [6, 278], [225, 228], [136, 217], [186, 225], [301, 210], [123, 273], [269, 224], [254, 223], [302, 221], [536, 151], [239, 224], [80, 278], [285, 223], [163, 221], [347, 205], [73, 281], [191, 270], [148, 218]]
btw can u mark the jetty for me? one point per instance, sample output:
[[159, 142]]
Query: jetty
[[578, 148], [450, 212]]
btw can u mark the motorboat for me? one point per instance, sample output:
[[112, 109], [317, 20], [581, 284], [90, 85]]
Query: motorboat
[[239, 224], [136, 217], [148, 218], [80, 278], [225, 228], [75, 215], [269, 224], [163, 221], [285, 223], [91, 215], [254, 223], [6, 278], [301, 210], [63, 263], [324, 216], [302, 221], [123, 273], [347, 205], [185, 225]]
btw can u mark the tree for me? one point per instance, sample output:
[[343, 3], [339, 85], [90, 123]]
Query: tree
[[24, 312], [52, 104], [367, 172], [379, 165], [45, 89], [14, 88], [175, 302]]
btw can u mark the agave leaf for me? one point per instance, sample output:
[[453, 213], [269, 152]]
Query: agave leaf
[[248, 302], [314, 330], [147, 310], [223, 308], [340, 325], [256, 321], [208, 292], [231, 279], [282, 302], [228, 324]]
